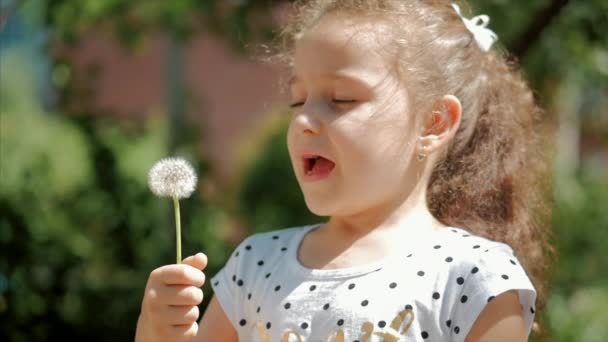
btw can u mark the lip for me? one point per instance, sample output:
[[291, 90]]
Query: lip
[[304, 162]]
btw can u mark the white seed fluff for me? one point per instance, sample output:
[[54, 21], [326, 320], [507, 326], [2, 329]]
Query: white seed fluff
[[172, 177]]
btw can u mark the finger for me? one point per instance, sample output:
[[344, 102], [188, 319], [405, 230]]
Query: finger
[[180, 295], [181, 275], [185, 330], [198, 261], [180, 315]]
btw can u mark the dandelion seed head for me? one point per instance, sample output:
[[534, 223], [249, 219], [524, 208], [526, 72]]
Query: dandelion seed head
[[172, 177]]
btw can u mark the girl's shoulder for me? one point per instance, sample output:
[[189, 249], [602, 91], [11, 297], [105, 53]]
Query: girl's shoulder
[[457, 253], [274, 237], [469, 255], [478, 270], [470, 246], [270, 243]]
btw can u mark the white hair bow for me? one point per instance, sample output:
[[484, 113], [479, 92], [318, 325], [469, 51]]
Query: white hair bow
[[477, 25]]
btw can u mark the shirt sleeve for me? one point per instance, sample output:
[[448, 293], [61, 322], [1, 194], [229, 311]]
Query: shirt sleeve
[[225, 284], [492, 272]]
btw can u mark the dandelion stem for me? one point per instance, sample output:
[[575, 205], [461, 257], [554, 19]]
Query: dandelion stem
[[178, 230]]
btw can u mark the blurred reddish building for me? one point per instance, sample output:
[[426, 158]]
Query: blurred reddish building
[[227, 91]]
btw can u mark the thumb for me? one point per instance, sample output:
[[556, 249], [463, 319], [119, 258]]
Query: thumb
[[198, 261]]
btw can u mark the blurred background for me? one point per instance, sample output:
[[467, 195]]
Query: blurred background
[[93, 92]]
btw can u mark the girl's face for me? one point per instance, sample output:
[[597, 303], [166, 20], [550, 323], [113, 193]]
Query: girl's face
[[350, 109]]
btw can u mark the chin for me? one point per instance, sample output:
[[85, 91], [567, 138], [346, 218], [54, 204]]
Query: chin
[[319, 208]]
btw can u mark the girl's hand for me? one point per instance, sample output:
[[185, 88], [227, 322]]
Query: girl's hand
[[169, 310]]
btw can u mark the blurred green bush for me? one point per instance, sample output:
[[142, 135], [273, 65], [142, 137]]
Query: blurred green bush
[[79, 229], [578, 308]]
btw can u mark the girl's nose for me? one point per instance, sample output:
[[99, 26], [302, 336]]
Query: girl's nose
[[307, 124]]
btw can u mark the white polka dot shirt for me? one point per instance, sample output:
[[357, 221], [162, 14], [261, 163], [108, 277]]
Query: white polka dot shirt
[[432, 290]]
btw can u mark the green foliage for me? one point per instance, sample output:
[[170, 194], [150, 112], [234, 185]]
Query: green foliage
[[129, 20], [579, 304], [580, 223], [80, 231]]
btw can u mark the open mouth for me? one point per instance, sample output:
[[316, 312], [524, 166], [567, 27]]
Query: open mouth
[[317, 166]]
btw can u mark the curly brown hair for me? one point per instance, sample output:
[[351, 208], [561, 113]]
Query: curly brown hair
[[495, 178]]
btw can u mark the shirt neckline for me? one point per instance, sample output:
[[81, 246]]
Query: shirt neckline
[[314, 273]]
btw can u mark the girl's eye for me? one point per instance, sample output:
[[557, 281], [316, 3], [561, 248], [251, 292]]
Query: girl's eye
[[343, 101], [338, 101]]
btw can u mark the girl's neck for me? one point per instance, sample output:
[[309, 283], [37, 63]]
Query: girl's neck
[[410, 214]]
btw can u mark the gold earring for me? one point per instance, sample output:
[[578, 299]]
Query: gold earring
[[422, 155]]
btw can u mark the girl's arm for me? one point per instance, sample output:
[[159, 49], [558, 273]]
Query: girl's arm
[[500, 320], [215, 326]]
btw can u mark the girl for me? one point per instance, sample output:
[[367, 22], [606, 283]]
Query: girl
[[418, 142]]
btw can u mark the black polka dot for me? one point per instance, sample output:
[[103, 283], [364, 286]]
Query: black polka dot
[[258, 310], [268, 325], [420, 273], [287, 305], [454, 230], [351, 286], [449, 259], [382, 324], [512, 262], [465, 235], [448, 322], [277, 288], [392, 285], [476, 246], [504, 276], [464, 299], [425, 335], [312, 287], [237, 253], [340, 322], [457, 329], [248, 247], [249, 295], [275, 237], [410, 255], [267, 275], [409, 307], [283, 249], [240, 282], [326, 306], [437, 246], [460, 280], [243, 322], [474, 270], [304, 325], [532, 310], [234, 278], [436, 295], [216, 283], [261, 262], [364, 302], [490, 298]]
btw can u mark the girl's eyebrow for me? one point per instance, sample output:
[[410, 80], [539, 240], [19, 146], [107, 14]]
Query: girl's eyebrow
[[335, 76]]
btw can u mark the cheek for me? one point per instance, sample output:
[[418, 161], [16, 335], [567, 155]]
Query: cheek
[[290, 140]]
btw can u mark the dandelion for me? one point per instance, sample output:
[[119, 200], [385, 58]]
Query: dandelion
[[173, 178]]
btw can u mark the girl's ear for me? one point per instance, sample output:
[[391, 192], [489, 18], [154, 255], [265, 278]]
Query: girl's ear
[[441, 125]]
